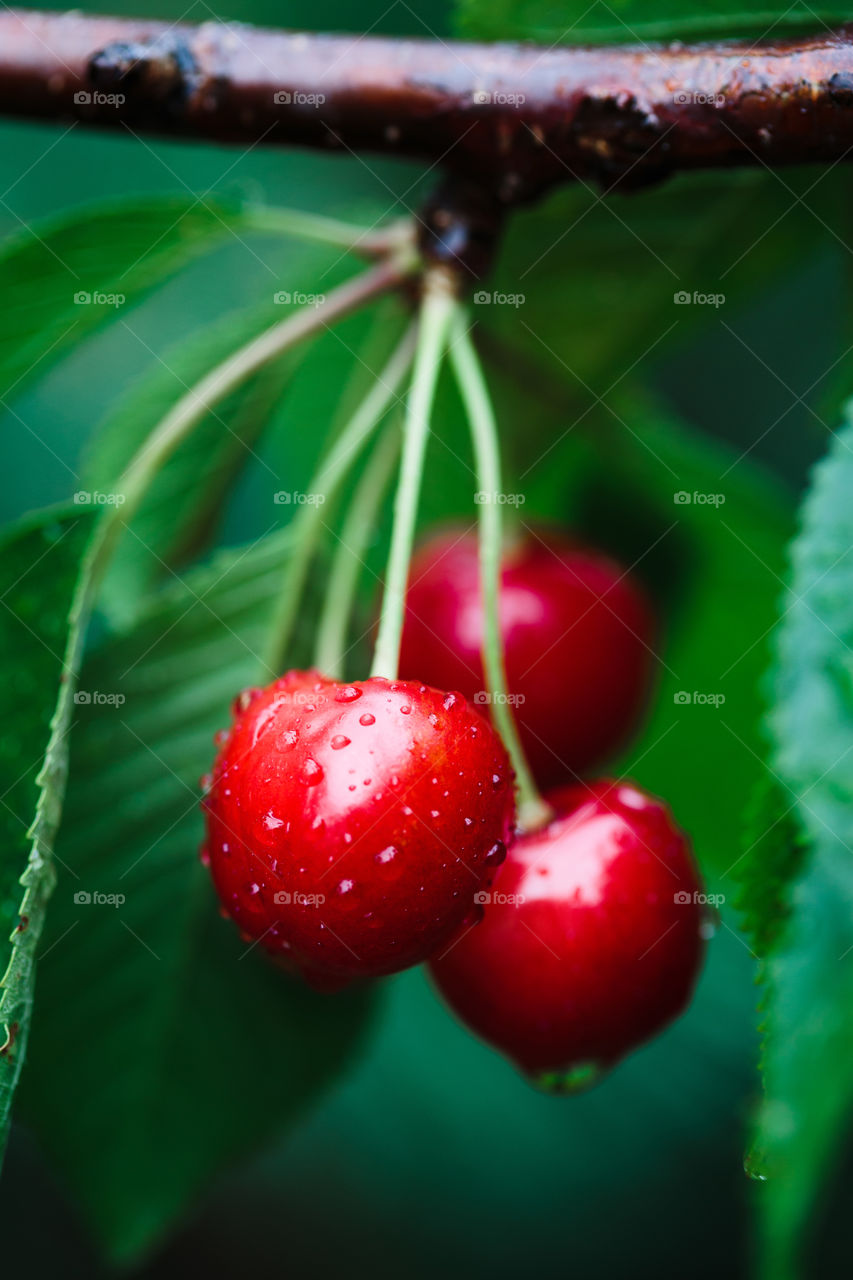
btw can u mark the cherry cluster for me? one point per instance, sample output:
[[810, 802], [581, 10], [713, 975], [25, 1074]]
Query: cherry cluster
[[354, 830]]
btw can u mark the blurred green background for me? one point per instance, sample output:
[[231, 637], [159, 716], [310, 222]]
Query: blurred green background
[[431, 1155]]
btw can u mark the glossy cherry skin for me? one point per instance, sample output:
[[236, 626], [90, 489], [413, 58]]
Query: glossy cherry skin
[[578, 640], [591, 942], [350, 825]]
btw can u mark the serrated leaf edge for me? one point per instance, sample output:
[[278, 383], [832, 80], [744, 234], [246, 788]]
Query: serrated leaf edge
[[39, 875]]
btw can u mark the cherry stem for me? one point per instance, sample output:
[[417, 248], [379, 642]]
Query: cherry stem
[[333, 470], [368, 241], [438, 308], [192, 407], [533, 811], [358, 526]]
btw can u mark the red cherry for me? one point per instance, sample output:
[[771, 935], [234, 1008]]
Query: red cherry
[[350, 825], [591, 941], [577, 636]]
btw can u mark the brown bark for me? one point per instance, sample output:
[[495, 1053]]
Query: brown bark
[[514, 119]]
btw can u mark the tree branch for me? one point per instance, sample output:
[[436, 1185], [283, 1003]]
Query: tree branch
[[514, 119]]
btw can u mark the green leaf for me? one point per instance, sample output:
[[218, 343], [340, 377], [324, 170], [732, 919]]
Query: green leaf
[[39, 563], [181, 1047], [598, 276], [809, 1028], [184, 503], [630, 21], [101, 253], [775, 851]]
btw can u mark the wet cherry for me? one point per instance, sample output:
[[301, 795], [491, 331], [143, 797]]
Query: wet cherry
[[591, 940], [349, 826], [578, 636]]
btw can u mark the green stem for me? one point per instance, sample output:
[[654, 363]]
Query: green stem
[[179, 422], [360, 523], [367, 241], [308, 522], [533, 811], [437, 311]]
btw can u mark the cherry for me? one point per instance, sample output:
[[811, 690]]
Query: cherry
[[350, 825], [591, 941], [577, 636]]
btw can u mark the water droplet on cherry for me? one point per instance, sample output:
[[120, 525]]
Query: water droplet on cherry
[[496, 854], [244, 700], [311, 772]]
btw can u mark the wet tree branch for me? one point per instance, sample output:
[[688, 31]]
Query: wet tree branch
[[515, 120]]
